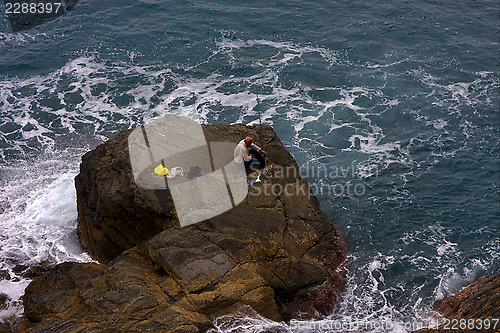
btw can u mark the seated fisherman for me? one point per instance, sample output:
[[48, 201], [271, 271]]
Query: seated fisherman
[[251, 153]]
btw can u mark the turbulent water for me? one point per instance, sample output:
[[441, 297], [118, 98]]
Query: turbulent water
[[391, 109]]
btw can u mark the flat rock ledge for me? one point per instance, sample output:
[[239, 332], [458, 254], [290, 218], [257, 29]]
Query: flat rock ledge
[[478, 302], [275, 252]]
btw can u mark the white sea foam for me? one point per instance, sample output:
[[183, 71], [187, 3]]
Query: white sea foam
[[14, 290], [456, 94], [247, 320], [38, 224], [19, 38], [439, 123], [292, 50]]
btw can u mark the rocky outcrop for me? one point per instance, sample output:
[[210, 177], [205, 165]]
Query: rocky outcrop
[[114, 214], [480, 300], [275, 252]]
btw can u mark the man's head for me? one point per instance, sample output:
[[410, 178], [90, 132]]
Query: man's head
[[248, 141]]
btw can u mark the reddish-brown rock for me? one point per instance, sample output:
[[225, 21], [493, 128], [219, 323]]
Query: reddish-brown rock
[[479, 301]]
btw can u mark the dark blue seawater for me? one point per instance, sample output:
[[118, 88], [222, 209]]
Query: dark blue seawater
[[391, 108]]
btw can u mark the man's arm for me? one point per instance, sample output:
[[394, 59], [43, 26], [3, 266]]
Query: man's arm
[[254, 146]]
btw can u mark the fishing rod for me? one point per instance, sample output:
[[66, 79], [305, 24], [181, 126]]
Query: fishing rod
[[266, 170], [260, 123]]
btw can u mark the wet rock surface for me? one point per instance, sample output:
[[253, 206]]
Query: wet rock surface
[[3, 301], [4, 274], [276, 252], [4, 205]]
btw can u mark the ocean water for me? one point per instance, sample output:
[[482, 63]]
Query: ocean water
[[391, 109]]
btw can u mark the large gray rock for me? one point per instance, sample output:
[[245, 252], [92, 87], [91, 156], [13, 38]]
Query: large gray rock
[[275, 252]]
